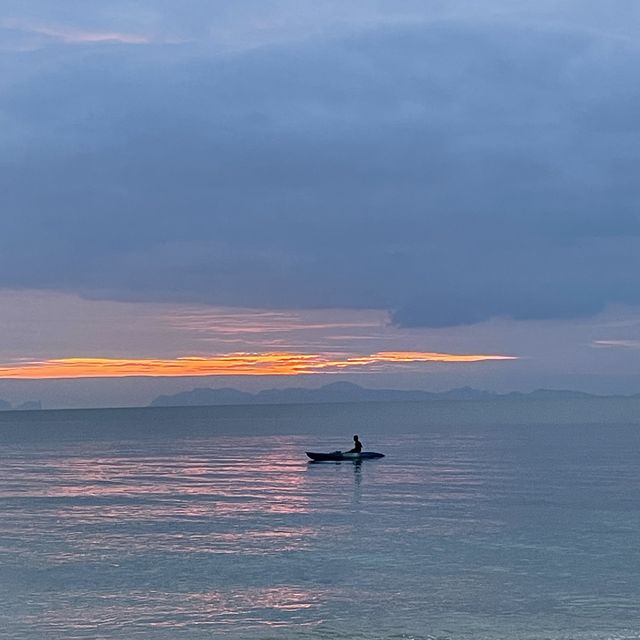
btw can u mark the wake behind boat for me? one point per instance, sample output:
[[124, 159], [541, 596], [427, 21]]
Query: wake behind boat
[[346, 455]]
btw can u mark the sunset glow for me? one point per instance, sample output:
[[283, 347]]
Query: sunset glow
[[232, 364]]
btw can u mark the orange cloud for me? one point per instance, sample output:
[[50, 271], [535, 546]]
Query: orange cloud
[[232, 364]]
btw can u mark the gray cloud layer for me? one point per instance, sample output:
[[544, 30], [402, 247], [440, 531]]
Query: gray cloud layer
[[448, 171]]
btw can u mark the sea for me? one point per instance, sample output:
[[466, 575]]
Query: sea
[[210, 522]]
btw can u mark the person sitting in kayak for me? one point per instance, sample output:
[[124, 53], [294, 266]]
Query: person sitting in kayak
[[357, 445]]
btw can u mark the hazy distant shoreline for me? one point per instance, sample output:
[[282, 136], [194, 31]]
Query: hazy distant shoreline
[[340, 418], [338, 392], [343, 393]]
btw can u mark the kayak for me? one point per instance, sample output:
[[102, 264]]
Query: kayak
[[339, 455]]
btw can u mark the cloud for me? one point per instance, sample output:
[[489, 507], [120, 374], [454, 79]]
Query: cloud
[[233, 25], [448, 171], [236, 364], [624, 344], [76, 35]]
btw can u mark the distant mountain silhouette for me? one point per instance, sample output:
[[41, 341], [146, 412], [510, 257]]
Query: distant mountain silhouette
[[30, 405], [345, 392], [203, 397], [552, 394]]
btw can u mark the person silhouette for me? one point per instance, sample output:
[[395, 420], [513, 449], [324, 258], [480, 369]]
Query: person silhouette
[[357, 445]]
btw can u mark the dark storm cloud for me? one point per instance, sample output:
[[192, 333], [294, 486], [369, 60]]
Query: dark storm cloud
[[448, 172]]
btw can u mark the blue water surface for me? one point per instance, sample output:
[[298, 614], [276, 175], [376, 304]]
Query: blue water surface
[[210, 523]]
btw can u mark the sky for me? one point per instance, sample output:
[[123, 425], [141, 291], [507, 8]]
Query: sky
[[408, 194]]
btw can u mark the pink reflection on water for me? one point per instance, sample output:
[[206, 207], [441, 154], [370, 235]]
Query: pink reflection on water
[[180, 503], [273, 606], [255, 485]]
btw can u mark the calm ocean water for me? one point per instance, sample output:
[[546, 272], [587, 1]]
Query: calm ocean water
[[210, 523]]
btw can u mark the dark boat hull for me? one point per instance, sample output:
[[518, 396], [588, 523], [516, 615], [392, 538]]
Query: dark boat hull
[[337, 456]]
